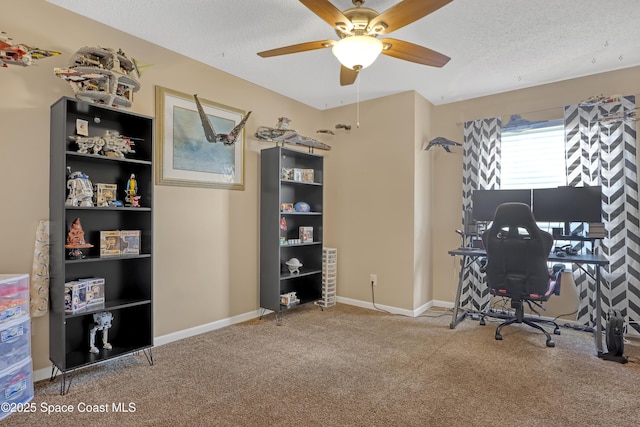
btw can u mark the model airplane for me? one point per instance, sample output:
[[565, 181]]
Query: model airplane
[[281, 134], [442, 142], [20, 54], [210, 133], [517, 123], [618, 116]]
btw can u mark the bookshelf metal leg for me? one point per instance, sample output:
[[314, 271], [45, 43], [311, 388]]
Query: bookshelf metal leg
[[149, 355], [64, 385], [279, 317], [54, 372]]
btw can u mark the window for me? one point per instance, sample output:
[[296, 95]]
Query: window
[[533, 158]]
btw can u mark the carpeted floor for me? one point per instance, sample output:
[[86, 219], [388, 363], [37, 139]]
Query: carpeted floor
[[348, 366]]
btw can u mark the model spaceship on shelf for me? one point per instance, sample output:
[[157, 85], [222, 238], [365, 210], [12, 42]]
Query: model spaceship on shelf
[[20, 54], [442, 142], [111, 144], [283, 134], [102, 76], [210, 133]]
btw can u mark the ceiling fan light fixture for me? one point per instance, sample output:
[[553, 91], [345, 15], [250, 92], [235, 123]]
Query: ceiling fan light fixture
[[357, 52]]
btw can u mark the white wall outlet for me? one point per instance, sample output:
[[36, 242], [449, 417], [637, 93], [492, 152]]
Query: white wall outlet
[[373, 279]]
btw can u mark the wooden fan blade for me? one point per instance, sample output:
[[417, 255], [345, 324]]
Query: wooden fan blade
[[347, 76], [329, 13], [404, 13], [302, 47], [414, 53]]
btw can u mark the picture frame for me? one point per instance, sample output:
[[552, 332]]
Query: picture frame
[[184, 155], [286, 207]]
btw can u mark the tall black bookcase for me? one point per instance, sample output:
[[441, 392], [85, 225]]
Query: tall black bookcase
[[288, 177], [128, 286]]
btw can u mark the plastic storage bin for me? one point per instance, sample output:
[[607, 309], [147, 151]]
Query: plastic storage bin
[[15, 341], [14, 296], [16, 386]]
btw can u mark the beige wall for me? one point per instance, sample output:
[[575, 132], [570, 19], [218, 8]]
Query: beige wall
[[369, 196], [391, 208]]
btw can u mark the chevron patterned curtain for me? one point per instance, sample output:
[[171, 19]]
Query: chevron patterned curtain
[[601, 150], [481, 170]]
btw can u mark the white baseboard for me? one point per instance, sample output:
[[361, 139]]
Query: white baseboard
[[208, 327], [395, 310]]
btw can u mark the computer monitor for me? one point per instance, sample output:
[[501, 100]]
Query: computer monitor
[[568, 204], [485, 202]]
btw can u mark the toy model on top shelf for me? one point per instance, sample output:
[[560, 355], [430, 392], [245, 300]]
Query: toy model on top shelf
[[89, 187]]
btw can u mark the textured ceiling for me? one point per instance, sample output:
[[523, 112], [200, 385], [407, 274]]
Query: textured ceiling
[[495, 45]]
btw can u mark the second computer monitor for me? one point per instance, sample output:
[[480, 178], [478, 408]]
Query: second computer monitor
[[568, 204]]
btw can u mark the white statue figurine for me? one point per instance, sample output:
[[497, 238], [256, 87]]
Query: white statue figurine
[[101, 322]]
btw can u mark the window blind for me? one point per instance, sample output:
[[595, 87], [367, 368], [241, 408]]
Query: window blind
[[533, 158]]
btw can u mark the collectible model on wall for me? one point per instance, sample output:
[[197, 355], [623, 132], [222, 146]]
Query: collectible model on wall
[[101, 322], [338, 126], [358, 29], [20, 54], [210, 133], [282, 133], [102, 76], [442, 142]]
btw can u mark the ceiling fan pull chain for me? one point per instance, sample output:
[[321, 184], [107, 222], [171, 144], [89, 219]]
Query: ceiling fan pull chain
[[358, 103]]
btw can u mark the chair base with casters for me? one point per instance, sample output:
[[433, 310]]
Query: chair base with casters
[[518, 305], [533, 322]]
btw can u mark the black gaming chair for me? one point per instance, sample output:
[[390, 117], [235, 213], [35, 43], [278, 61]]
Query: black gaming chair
[[516, 266]]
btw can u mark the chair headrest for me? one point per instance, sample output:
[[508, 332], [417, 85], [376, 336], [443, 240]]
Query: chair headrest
[[514, 214]]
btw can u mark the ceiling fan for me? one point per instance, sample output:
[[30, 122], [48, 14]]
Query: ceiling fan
[[358, 29]]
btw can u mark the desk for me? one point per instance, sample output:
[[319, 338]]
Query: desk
[[469, 255]]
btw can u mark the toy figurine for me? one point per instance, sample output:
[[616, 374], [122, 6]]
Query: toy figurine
[[132, 198], [101, 322], [80, 189], [75, 240]]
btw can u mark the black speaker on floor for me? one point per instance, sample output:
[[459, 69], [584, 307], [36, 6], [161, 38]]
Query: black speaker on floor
[[615, 336]]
